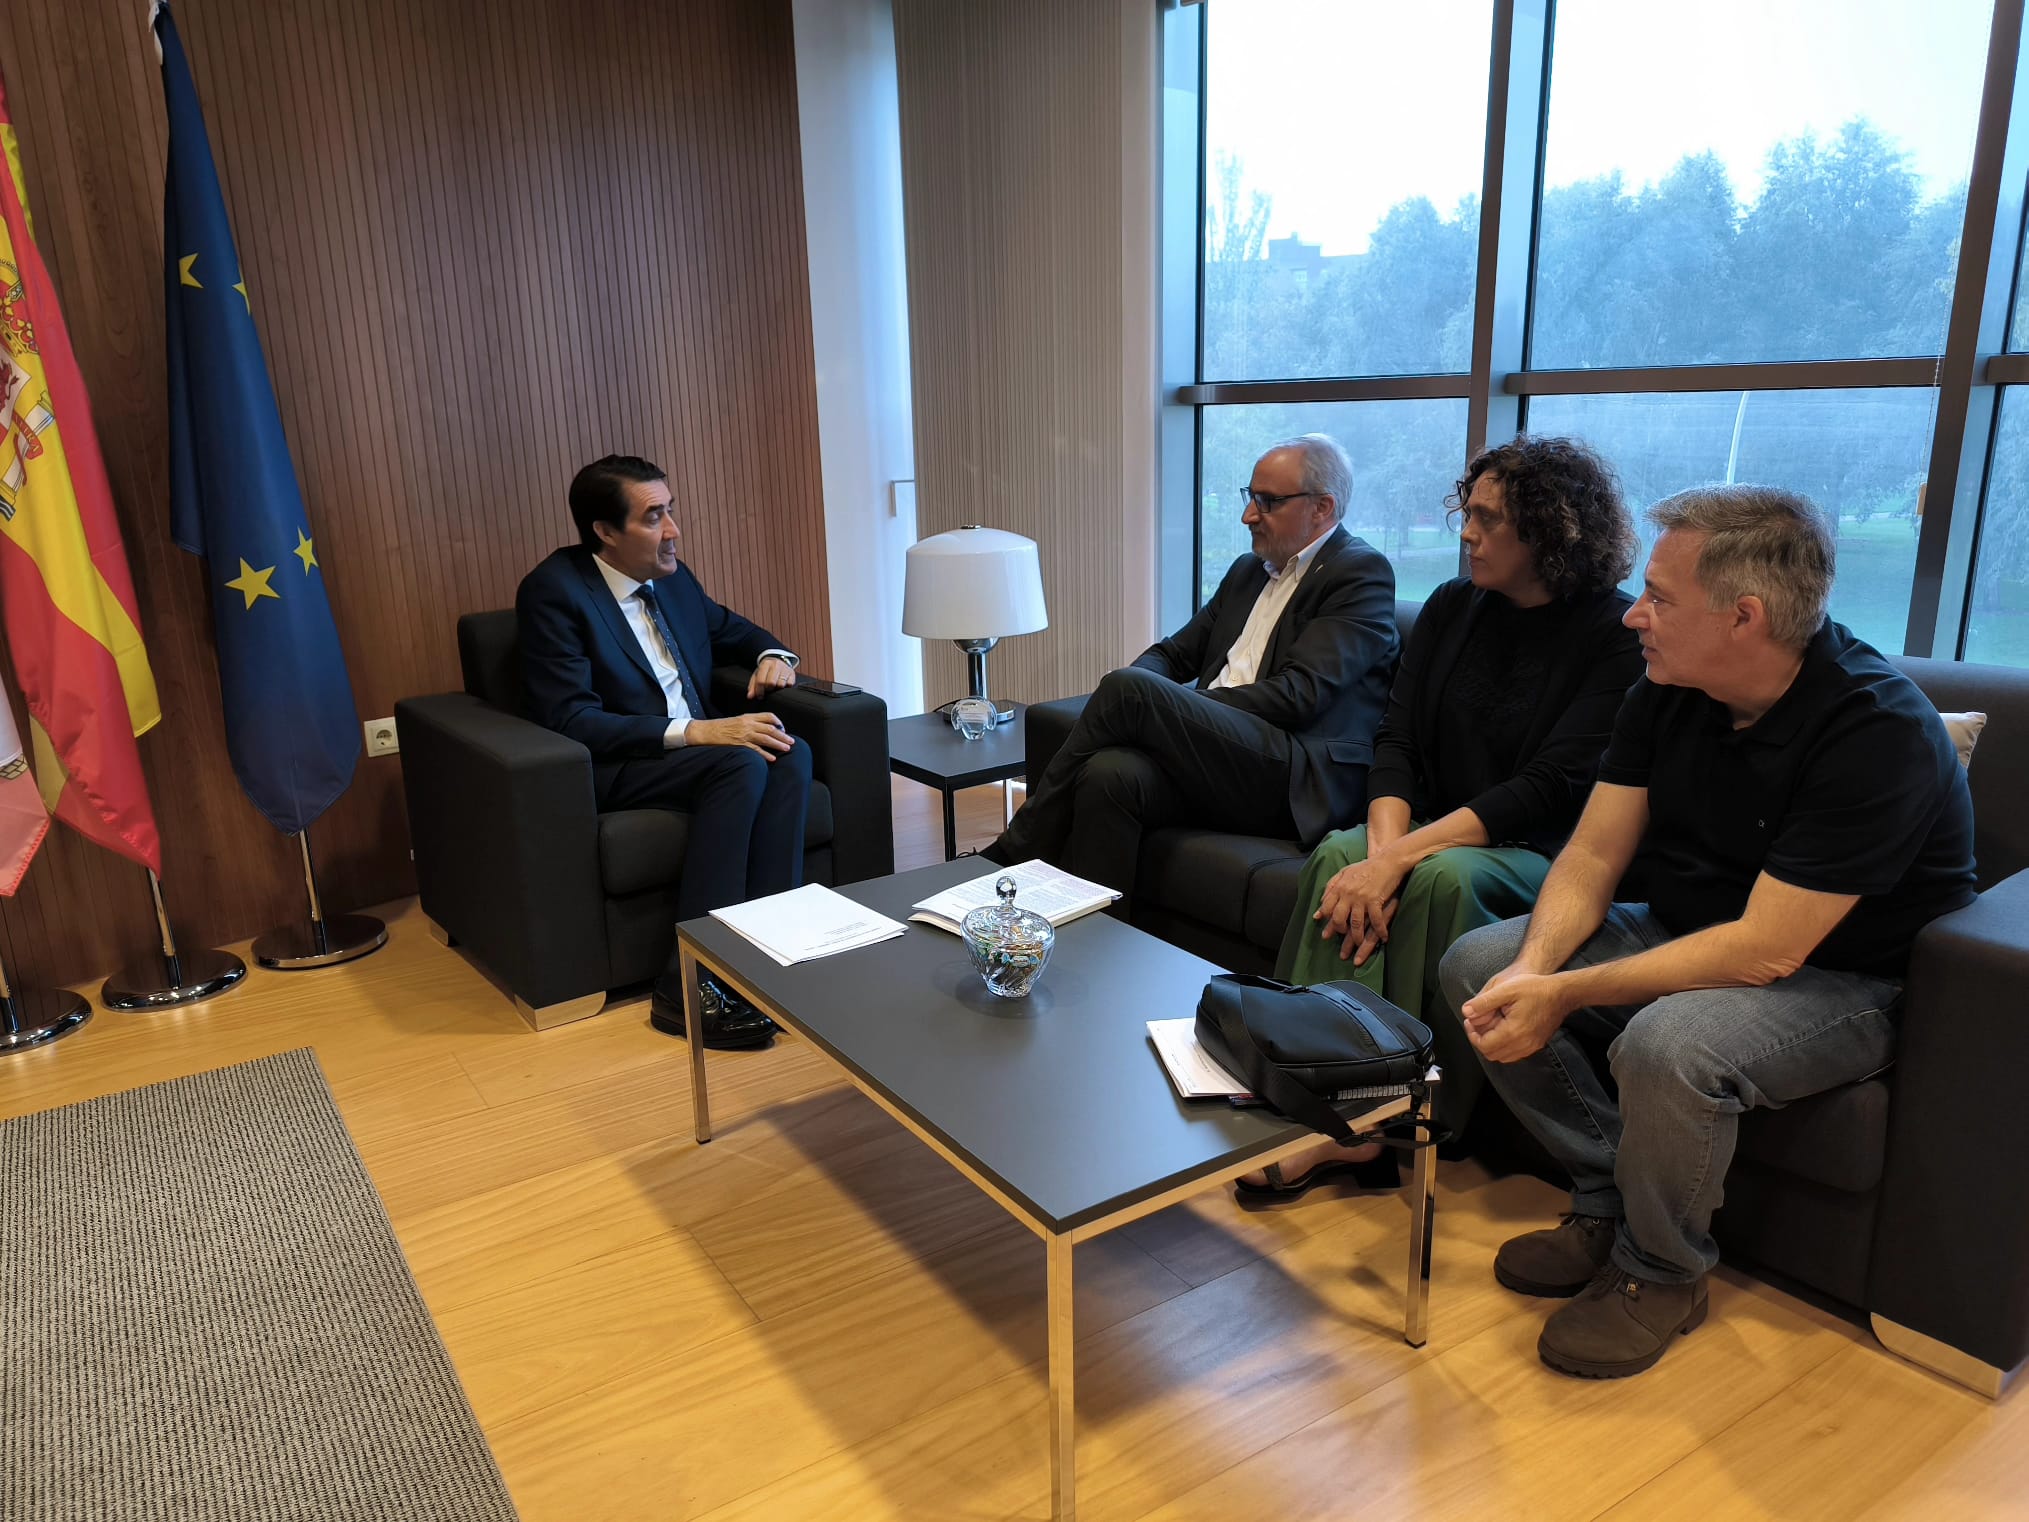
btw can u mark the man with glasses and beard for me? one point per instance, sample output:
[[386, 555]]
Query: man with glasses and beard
[[1258, 716]]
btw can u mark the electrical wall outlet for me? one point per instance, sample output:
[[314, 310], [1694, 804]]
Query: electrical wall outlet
[[381, 739]]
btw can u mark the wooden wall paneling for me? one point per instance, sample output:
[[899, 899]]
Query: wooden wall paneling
[[483, 243]]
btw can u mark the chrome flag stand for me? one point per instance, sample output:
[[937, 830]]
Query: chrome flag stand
[[37, 1016], [173, 978], [322, 942]]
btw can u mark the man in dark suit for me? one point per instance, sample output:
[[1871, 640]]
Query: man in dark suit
[[1258, 716], [618, 642]]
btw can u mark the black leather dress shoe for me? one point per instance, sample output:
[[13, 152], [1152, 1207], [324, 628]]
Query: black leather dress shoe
[[731, 1024]]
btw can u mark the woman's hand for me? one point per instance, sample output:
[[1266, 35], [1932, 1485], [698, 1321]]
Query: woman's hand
[[1358, 904]]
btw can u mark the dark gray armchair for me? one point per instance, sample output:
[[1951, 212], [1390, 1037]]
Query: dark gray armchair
[[559, 902]]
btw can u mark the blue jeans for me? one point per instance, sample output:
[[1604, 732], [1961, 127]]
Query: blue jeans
[[1650, 1146]]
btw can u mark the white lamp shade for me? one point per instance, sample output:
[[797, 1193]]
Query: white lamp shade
[[973, 583]]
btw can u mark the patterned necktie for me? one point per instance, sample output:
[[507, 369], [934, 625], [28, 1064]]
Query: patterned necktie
[[690, 697]]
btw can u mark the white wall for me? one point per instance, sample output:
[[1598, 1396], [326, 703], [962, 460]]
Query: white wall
[[852, 212]]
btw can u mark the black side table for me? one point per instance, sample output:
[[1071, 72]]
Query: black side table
[[926, 749]]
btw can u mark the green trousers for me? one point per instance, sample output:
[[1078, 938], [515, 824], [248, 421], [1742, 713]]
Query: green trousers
[[1447, 895]]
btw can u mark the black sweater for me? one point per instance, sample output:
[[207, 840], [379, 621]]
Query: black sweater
[[1529, 787]]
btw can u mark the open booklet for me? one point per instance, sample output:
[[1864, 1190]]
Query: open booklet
[[1198, 1076], [1039, 888]]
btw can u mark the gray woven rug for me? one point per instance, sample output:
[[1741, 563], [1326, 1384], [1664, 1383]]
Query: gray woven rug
[[204, 1315]]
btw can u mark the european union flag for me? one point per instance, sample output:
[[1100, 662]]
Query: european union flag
[[290, 723]]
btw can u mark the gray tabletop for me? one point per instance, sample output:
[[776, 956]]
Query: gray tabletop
[[1058, 1099], [925, 748]]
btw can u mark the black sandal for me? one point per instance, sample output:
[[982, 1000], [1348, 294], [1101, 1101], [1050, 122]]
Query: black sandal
[[1378, 1175]]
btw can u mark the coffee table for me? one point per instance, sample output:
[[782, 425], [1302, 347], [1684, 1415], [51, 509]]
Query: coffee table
[[1055, 1106]]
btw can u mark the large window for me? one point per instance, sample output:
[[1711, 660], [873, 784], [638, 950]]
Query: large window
[[1341, 206], [1997, 625], [1860, 455], [1791, 186], [1405, 460], [1728, 249]]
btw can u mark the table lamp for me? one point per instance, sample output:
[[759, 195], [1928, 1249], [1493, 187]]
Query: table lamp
[[974, 586]]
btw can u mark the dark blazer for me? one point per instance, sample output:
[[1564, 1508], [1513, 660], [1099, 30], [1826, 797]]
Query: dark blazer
[[1539, 805], [1324, 676], [584, 672]]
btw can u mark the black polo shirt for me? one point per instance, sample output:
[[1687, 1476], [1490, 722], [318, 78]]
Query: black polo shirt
[[1849, 784]]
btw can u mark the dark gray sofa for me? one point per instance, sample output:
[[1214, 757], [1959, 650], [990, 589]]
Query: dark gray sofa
[[559, 902], [1905, 1196]]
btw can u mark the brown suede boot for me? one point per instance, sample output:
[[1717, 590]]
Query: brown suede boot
[[1558, 1261], [1621, 1325]]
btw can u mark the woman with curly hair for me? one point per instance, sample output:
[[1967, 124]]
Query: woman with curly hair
[[1505, 697]]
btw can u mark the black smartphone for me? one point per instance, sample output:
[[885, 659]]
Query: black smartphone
[[819, 684]]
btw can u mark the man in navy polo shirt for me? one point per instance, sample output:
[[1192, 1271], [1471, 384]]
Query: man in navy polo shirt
[[1797, 814]]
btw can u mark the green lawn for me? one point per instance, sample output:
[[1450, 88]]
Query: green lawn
[[1877, 563]]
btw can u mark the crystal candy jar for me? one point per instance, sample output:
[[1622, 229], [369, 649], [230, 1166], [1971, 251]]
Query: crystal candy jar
[[1009, 946]]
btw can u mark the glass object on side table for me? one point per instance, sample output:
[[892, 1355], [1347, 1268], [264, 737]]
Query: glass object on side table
[[973, 717]]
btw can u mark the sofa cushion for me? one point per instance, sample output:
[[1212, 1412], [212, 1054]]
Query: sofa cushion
[[1271, 898], [643, 848], [490, 658], [1208, 876], [1964, 728], [1837, 1138]]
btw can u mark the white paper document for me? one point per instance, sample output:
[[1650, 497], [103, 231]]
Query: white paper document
[[1197, 1076], [1039, 888], [1191, 1067], [807, 922]]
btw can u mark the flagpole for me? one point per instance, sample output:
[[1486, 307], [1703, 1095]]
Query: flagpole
[[322, 942], [37, 1016], [175, 977]]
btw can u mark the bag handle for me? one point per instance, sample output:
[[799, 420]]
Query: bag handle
[[1400, 1133]]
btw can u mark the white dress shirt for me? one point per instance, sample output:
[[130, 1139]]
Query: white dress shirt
[[661, 660], [1243, 661]]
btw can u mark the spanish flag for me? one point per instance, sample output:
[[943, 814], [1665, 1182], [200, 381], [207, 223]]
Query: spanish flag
[[66, 598], [23, 820]]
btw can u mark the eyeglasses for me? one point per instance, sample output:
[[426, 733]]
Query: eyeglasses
[[1268, 501]]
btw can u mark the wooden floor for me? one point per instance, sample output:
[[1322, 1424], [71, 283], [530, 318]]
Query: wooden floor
[[815, 1317]]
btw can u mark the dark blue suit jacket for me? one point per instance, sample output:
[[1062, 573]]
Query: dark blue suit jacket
[[583, 671]]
